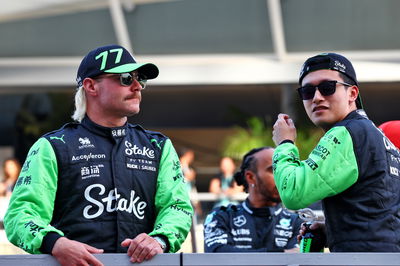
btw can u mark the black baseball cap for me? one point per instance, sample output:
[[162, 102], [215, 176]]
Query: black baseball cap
[[331, 61], [113, 59]]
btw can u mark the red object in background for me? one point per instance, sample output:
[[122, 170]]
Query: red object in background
[[392, 131]]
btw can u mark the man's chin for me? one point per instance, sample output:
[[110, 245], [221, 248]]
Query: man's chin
[[133, 112], [325, 125]]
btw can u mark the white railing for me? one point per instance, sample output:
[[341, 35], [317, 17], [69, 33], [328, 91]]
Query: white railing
[[225, 259]]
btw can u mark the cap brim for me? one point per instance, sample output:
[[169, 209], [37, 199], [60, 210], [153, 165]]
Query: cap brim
[[147, 69]]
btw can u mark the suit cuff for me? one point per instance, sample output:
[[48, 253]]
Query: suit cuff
[[286, 141], [48, 242]]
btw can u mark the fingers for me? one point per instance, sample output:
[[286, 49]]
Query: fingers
[[71, 252], [91, 260], [290, 122], [317, 225], [282, 121], [283, 129], [146, 251], [135, 244], [142, 247], [93, 250], [283, 116], [126, 242]]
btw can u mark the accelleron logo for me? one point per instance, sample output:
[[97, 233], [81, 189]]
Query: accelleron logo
[[87, 157]]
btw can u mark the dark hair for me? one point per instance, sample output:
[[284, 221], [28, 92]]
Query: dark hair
[[248, 163], [347, 79]]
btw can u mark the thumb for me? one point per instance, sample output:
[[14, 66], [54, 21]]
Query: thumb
[[93, 250], [126, 242]]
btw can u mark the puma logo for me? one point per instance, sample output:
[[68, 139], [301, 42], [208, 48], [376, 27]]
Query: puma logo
[[59, 138], [158, 144]]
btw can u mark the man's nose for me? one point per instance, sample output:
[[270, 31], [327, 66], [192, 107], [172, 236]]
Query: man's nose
[[136, 85], [317, 96]]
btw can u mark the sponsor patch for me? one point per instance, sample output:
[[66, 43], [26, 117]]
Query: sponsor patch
[[284, 224], [87, 157], [33, 228], [85, 143], [313, 165], [239, 220], [240, 231], [136, 150], [113, 202], [91, 171], [141, 164], [118, 132], [280, 242], [24, 180]]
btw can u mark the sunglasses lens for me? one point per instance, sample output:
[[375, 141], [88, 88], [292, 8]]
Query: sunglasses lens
[[327, 88], [307, 92], [142, 81], [126, 79]]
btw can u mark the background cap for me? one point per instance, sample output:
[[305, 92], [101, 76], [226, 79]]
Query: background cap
[[391, 129], [330, 61], [112, 59]]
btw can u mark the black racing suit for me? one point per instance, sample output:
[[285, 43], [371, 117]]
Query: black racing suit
[[355, 170], [243, 228], [99, 185]]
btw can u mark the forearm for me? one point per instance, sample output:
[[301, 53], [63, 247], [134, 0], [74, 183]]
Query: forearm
[[330, 169], [28, 217], [174, 210]]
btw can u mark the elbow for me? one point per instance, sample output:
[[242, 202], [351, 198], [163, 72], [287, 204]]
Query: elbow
[[292, 203]]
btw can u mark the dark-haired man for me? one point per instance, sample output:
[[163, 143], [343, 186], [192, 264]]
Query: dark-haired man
[[101, 184], [260, 224], [353, 169]]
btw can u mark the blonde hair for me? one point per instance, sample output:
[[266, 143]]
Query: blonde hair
[[80, 104]]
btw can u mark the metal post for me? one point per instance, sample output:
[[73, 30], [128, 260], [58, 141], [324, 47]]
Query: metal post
[[120, 27], [277, 32], [287, 100], [193, 233]]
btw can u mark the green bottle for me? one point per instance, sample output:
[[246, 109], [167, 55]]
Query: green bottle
[[313, 240]]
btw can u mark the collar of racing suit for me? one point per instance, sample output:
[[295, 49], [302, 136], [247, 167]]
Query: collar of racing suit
[[262, 212], [113, 132]]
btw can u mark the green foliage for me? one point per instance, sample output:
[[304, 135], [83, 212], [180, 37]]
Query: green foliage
[[307, 139], [258, 134], [244, 139]]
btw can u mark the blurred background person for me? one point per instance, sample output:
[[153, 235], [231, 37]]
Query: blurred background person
[[391, 129], [186, 158], [259, 224], [11, 169], [224, 185]]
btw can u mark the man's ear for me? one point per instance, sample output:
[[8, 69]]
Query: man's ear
[[353, 93], [89, 86], [250, 177]]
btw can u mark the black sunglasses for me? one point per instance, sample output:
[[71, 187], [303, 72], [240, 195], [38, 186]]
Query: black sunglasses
[[326, 88], [126, 79]]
